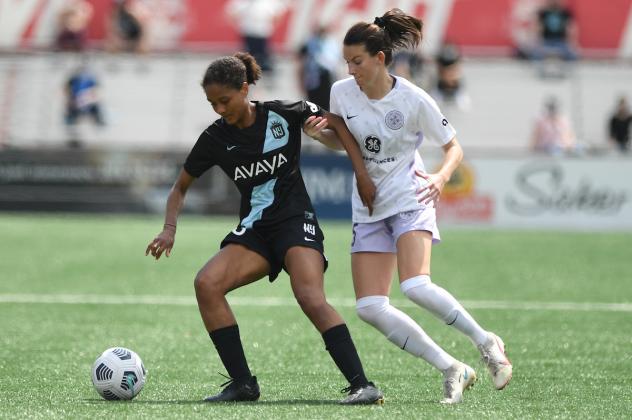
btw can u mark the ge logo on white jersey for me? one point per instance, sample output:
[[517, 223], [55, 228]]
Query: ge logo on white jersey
[[372, 144]]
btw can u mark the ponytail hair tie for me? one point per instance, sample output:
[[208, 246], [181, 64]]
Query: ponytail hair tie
[[379, 21]]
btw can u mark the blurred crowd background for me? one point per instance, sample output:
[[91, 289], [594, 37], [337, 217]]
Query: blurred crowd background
[[114, 85]]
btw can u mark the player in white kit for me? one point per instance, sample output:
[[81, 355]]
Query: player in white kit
[[390, 117]]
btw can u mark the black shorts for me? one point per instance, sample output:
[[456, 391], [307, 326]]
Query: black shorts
[[272, 242]]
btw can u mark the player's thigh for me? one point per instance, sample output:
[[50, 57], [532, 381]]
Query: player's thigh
[[372, 273], [413, 254], [232, 267], [306, 269]]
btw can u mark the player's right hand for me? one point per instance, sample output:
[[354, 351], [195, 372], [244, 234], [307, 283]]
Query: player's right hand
[[161, 243], [314, 125]]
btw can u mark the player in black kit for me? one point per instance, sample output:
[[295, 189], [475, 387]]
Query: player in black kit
[[257, 144]]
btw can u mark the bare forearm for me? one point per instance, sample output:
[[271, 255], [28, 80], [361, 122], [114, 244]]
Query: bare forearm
[[330, 139], [452, 159], [345, 138], [174, 205]]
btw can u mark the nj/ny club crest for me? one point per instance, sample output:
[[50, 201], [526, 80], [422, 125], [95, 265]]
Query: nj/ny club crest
[[394, 120], [277, 130]]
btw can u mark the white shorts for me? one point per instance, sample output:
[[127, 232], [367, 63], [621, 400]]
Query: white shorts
[[382, 236]]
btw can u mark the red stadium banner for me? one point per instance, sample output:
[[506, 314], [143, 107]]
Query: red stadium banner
[[480, 27]]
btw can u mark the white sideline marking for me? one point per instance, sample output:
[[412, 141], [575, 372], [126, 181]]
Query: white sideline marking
[[279, 301]]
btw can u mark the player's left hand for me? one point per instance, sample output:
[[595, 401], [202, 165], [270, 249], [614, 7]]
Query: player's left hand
[[314, 125], [432, 189], [161, 243], [367, 191]]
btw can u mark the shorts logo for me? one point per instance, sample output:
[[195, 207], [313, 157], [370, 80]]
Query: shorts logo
[[309, 215], [394, 120], [444, 122], [277, 130], [407, 215], [309, 228], [372, 144]]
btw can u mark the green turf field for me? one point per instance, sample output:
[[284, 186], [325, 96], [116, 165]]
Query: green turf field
[[72, 286]]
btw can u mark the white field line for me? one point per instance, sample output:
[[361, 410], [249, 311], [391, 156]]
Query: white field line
[[279, 302]]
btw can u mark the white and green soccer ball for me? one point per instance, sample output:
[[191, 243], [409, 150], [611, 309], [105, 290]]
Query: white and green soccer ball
[[118, 374]]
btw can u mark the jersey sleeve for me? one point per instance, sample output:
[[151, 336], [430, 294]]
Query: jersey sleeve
[[334, 106], [297, 111], [432, 123], [201, 158], [310, 109]]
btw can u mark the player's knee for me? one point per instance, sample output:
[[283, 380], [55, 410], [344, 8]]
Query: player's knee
[[370, 308], [416, 286], [311, 302], [209, 283]]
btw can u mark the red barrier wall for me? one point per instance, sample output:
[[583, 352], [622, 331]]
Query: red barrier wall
[[479, 26]]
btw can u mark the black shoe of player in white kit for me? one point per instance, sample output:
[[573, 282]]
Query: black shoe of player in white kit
[[235, 391], [363, 395]]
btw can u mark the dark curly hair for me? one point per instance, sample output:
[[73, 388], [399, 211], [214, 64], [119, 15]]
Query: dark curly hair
[[232, 71], [393, 30]]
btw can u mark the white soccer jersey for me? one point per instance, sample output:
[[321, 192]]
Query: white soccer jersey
[[389, 132]]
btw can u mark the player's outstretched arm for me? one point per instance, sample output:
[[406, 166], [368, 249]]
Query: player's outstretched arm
[[165, 239], [366, 188]]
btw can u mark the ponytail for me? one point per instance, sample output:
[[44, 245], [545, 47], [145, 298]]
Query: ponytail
[[233, 71], [253, 71], [393, 30]]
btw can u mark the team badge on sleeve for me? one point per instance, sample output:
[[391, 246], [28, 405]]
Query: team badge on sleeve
[[394, 120]]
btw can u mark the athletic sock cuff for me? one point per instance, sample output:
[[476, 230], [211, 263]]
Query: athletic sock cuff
[[336, 335], [412, 282], [224, 332], [363, 302]]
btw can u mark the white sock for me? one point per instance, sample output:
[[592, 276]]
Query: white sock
[[443, 305], [402, 331]]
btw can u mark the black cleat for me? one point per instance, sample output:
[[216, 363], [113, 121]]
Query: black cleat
[[363, 395], [247, 390]]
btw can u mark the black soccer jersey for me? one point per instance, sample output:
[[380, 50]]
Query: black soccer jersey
[[262, 160]]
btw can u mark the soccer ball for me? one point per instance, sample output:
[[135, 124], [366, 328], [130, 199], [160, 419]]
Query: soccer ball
[[118, 374]]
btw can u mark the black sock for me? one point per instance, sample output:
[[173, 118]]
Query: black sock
[[340, 346], [231, 352]]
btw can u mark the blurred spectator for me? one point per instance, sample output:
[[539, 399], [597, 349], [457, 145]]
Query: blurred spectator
[[128, 27], [449, 88], [557, 32], [255, 20], [82, 100], [319, 58], [409, 65], [619, 126], [73, 20], [522, 27], [553, 133]]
